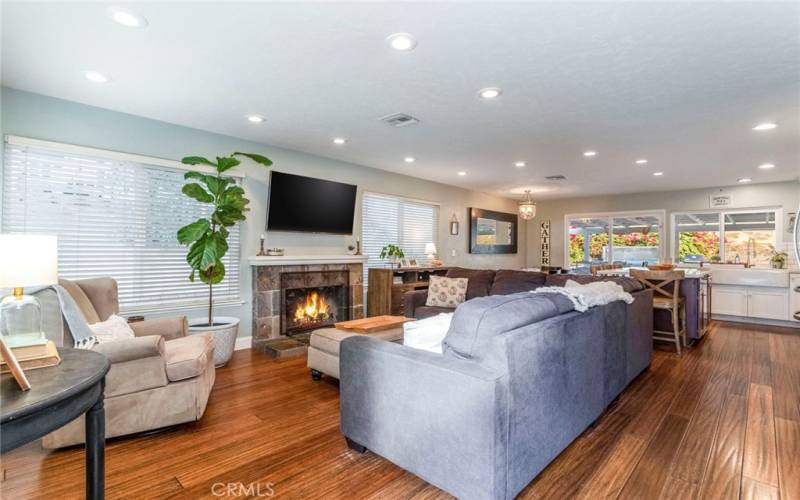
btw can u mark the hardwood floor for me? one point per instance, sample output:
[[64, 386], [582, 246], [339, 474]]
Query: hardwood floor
[[723, 421]]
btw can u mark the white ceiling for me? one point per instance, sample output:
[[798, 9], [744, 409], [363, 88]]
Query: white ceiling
[[680, 84]]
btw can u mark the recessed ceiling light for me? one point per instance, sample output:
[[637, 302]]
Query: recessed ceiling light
[[255, 118], [490, 92], [126, 17], [658, 174], [744, 180], [589, 154], [409, 159], [462, 174], [96, 77], [641, 162], [519, 164], [339, 140], [766, 166], [401, 42], [765, 126]]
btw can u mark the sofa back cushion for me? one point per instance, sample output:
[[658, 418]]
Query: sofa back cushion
[[507, 281], [476, 322], [480, 280], [630, 285]]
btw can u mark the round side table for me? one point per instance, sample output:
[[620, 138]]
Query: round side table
[[59, 395]]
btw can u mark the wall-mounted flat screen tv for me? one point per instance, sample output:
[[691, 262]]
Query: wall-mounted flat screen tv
[[306, 204]]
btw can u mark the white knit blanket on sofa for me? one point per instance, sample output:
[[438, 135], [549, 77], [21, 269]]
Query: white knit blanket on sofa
[[589, 295]]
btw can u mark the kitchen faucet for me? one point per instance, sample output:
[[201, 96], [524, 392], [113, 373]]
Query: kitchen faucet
[[749, 242]]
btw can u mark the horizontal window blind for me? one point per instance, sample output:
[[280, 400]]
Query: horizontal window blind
[[112, 218], [391, 220]]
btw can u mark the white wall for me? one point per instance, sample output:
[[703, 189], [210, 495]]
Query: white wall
[[41, 117], [780, 194]]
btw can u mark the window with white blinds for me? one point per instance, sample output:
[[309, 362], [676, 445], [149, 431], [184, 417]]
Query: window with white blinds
[[114, 218], [391, 220]]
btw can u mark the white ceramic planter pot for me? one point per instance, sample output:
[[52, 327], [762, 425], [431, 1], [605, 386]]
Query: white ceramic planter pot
[[224, 331]]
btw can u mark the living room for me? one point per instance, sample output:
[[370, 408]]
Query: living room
[[483, 250]]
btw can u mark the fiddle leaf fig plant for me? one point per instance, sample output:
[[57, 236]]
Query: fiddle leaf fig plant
[[207, 237]]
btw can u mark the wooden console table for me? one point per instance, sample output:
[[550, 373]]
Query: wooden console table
[[385, 296]]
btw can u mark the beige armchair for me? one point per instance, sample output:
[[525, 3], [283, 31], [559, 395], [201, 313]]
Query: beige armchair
[[160, 378]]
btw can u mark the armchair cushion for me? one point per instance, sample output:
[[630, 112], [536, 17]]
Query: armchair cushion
[[188, 356], [120, 351], [170, 327]]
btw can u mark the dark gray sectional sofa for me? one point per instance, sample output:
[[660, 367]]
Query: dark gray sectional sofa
[[522, 375]]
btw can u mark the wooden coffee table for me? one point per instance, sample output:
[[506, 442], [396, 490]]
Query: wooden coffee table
[[373, 324]]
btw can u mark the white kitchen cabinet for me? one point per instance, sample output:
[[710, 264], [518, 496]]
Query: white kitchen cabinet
[[768, 303], [750, 301], [729, 300]]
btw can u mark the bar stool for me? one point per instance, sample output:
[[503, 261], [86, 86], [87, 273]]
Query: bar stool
[[668, 299]]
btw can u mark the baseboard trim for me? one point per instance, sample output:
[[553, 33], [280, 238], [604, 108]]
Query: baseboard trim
[[243, 343]]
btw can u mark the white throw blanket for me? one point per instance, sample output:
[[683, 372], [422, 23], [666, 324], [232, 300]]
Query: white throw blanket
[[589, 295], [427, 334]]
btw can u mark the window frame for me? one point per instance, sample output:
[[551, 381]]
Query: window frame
[[11, 141], [659, 214], [673, 233]]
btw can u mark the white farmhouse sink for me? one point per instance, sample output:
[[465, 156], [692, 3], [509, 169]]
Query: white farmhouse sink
[[751, 277]]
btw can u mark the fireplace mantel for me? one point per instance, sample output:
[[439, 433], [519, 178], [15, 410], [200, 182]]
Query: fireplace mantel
[[294, 260]]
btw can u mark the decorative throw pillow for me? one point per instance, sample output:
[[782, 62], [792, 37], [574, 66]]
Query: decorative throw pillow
[[114, 328], [446, 292]]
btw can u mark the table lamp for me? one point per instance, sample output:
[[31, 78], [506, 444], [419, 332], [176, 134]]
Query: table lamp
[[430, 249], [26, 260]]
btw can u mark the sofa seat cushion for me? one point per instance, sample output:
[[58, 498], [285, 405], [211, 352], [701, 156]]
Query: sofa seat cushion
[[188, 356], [423, 312], [480, 280], [630, 285], [508, 281], [476, 322]]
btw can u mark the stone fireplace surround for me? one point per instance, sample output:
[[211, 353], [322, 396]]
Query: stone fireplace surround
[[314, 271]]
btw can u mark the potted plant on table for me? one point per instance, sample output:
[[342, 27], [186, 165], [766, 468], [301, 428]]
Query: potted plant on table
[[207, 239], [392, 252]]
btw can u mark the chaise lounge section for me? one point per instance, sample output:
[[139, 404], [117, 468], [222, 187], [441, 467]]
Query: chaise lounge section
[[521, 377]]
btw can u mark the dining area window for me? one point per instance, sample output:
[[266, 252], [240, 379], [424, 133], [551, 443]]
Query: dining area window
[[629, 239]]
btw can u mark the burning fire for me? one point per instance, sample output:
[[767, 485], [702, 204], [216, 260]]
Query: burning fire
[[316, 308]]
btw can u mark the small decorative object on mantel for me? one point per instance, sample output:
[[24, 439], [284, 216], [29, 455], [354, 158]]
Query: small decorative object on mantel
[[275, 252], [14, 367], [545, 238], [454, 225], [354, 249], [261, 251], [393, 252]]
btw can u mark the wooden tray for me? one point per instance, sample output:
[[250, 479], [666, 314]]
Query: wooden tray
[[372, 325]]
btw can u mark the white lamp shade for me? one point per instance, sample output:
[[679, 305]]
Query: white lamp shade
[[430, 248], [28, 260]]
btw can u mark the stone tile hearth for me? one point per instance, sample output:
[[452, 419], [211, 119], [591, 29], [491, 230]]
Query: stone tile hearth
[[271, 280]]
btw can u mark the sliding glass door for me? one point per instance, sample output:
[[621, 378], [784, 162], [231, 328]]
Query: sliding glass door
[[630, 239]]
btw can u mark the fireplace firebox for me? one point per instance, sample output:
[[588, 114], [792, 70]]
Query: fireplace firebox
[[313, 300]]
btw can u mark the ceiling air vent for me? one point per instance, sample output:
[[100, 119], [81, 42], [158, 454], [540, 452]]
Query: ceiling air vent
[[399, 120], [556, 178]]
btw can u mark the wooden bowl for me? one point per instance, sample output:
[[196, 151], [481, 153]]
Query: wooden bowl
[[661, 267]]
